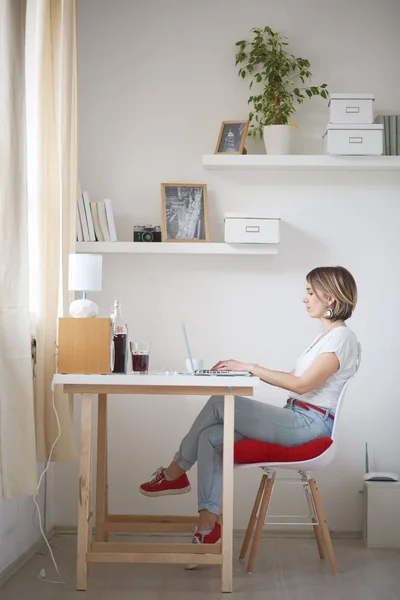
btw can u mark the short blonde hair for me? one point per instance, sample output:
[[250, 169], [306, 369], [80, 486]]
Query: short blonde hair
[[339, 283]]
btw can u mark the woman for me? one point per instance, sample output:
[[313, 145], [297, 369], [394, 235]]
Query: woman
[[314, 388]]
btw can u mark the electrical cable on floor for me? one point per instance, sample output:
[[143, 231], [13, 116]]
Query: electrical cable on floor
[[42, 574]]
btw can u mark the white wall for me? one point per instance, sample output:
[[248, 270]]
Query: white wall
[[17, 529], [19, 525], [156, 81]]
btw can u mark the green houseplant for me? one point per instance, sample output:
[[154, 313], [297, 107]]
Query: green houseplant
[[281, 79]]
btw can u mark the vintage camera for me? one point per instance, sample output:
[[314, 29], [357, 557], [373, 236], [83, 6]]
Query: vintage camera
[[147, 233]]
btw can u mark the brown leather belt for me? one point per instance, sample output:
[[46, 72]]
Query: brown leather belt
[[307, 406]]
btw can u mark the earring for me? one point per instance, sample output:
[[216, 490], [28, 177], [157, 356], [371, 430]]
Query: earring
[[329, 314]]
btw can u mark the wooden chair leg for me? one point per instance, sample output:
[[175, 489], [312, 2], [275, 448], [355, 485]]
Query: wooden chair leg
[[318, 538], [253, 518], [260, 521], [323, 524], [316, 527]]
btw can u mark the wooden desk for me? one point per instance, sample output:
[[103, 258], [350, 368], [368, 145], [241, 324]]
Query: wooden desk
[[103, 551]]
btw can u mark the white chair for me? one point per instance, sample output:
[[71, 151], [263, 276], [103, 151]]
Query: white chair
[[316, 516]]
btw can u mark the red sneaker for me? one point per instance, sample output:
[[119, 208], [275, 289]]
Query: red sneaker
[[210, 538], [160, 486]]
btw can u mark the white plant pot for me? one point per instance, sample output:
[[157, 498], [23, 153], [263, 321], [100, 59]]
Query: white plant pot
[[277, 139]]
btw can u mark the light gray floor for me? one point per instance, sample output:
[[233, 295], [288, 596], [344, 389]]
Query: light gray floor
[[286, 569]]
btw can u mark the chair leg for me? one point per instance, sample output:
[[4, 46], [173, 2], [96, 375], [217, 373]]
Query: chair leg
[[260, 521], [253, 518], [323, 524], [318, 538], [316, 527]]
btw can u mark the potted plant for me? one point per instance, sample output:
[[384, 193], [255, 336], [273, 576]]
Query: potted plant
[[266, 60]]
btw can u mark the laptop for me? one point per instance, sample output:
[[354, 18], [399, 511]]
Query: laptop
[[208, 372]]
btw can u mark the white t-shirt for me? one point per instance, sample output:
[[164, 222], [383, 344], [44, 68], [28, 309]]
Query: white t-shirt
[[343, 342]]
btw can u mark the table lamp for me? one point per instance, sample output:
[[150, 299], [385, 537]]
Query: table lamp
[[84, 275]]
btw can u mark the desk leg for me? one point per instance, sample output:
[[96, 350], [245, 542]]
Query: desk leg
[[85, 483], [90, 517], [101, 486], [227, 493]]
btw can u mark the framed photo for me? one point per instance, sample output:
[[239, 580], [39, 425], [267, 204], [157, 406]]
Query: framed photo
[[184, 212], [232, 137]]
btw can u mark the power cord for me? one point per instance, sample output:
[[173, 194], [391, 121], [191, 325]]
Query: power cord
[[42, 573]]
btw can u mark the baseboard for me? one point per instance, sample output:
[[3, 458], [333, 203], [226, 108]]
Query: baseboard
[[24, 558], [237, 533]]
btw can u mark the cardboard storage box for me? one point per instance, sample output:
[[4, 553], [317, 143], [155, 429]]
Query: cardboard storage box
[[354, 140], [351, 108], [242, 230]]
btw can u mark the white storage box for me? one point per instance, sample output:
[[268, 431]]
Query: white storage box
[[251, 230], [361, 140], [351, 108], [382, 514]]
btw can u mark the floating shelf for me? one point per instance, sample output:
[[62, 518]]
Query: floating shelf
[[174, 248], [301, 162]]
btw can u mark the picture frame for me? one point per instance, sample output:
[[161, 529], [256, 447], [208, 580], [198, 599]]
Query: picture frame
[[184, 212], [232, 137]]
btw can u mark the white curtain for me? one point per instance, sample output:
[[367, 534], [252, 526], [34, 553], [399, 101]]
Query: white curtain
[[38, 184], [52, 153], [17, 434]]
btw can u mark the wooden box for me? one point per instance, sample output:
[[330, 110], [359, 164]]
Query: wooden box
[[84, 346]]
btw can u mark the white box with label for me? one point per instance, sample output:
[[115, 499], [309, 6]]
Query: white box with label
[[251, 230], [351, 108], [354, 140]]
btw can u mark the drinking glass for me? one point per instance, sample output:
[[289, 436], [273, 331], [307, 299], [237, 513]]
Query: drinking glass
[[140, 352]]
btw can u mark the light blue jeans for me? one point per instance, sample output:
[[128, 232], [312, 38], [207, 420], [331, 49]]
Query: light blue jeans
[[287, 426]]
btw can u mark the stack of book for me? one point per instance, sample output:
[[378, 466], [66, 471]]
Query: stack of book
[[94, 220], [391, 133]]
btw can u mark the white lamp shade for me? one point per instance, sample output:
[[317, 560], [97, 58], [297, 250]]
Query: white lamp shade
[[85, 272]]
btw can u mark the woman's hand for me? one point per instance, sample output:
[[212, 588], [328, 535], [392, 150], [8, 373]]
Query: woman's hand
[[231, 365]]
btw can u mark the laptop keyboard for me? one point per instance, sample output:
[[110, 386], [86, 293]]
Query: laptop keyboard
[[222, 373]]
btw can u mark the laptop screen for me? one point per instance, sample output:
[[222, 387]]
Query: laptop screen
[[206, 371]]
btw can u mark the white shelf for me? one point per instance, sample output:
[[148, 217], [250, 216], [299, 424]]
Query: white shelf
[[174, 248], [301, 162]]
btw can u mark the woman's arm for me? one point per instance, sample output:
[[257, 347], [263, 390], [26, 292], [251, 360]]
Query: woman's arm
[[324, 366]]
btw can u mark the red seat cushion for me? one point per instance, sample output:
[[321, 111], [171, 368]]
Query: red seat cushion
[[252, 451]]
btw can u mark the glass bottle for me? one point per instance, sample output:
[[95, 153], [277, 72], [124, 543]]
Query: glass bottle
[[119, 342]]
